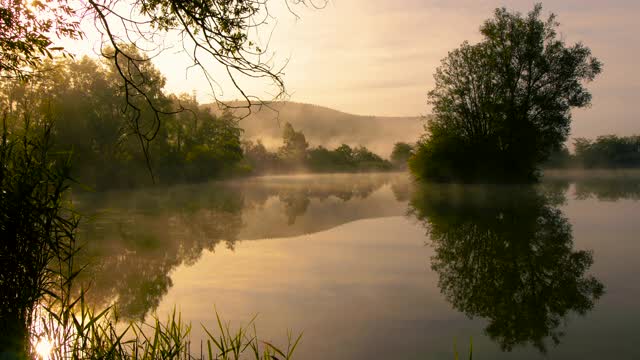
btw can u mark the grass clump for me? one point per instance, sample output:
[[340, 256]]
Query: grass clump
[[74, 331]]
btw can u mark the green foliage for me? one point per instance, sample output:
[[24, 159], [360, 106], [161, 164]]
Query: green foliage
[[36, 225], [85, 99], [39, 268], [198, 143], [295, 154], [293, 151], [441, 156], [344, 158], [102, 132], [608, 152], [259, 158], [26, 29], [400, 154], [502, 105], [323, 159], [214, 29], [227, 21], [559, 158]]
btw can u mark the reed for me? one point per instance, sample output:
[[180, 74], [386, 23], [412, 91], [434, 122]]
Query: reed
[[75, 331]]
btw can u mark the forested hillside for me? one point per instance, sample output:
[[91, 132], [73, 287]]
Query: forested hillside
[[326, 127]]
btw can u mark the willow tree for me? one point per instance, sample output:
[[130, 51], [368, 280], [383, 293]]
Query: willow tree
[[501, 106]]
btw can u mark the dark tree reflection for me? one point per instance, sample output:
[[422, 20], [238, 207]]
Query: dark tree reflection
[[506, 254], [295, 203], [136, 238], [609, 189], [133, 245]]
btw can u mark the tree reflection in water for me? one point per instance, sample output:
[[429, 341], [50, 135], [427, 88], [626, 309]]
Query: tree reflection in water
[[137, 237], [141, 236], [506, 254]]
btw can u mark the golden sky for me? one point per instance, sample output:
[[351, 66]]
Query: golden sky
[[377, 57]]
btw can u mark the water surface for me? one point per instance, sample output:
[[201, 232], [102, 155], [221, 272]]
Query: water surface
[[374, 266]]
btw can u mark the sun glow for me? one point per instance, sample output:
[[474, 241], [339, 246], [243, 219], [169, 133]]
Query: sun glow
[[43, 348]]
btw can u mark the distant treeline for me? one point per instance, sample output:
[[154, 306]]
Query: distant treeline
[[83, 101], [605, 152], [323, 126], [296, 155]]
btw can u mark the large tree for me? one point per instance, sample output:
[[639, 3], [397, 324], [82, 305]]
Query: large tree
[[501, 106]]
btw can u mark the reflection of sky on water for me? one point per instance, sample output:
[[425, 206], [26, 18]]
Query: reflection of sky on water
[[353, 271]]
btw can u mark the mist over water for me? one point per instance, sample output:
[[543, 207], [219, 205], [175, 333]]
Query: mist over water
[[327, 127], [374, 265]]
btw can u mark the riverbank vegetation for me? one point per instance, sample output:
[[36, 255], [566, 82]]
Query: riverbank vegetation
[[73, 331], [44, 313], [605, 152], [85, 101], [296, 155], [36, 226], [501, 106], [100, 133], [70, 127]]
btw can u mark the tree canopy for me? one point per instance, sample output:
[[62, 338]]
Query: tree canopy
[[294, 145], [608, 151], [501, 106], [26, 28], [296, 155], [133, 33], [214, 29], [400, 154], [79, 100]]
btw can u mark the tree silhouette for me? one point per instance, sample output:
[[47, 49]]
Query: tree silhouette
[[401, 154], [294, 146], [503, 105]]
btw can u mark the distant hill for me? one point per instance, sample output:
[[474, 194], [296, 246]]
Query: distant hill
[[327, 127]]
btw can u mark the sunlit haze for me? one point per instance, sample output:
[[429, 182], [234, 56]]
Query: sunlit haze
[[399, 185], [377, 57]]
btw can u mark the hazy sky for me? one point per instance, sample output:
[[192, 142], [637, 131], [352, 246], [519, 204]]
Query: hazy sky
[[377, 57]]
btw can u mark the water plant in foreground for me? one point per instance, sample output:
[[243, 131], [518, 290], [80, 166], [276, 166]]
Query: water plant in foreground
[[42, 314], [72, 330]]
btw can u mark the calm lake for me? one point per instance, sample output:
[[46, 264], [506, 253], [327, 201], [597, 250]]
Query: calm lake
[[374, 266]]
